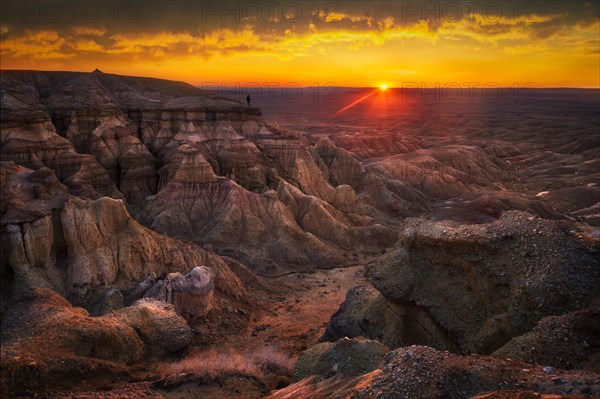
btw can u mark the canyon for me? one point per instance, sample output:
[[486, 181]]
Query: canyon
[[148, 223]]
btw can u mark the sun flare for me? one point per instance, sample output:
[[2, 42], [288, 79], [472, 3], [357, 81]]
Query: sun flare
[[383, 87]]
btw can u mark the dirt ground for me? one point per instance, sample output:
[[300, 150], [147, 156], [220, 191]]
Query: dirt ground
[[297, 316], [293, 317]]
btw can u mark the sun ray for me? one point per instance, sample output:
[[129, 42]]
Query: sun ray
[[352, 104]]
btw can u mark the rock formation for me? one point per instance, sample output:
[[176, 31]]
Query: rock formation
[[471, 288], [194, 165], [118, 191], [423, 372], [191, 294], [45, 339], [484, 284], [81, 247]]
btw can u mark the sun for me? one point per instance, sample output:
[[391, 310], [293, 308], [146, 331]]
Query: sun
[[383, 87]]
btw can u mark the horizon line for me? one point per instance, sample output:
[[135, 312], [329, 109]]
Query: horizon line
[[227, 87]]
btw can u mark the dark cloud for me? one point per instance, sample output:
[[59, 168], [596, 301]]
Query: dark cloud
[[130, 16], [159, 29]]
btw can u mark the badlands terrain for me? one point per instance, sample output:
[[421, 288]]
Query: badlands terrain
[[159, 241]]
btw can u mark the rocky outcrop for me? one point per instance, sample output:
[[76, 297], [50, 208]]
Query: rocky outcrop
[[100, 132], [256, 229], [129, 163], [270, 183], [472, 288], [191, 294], [570, 341], [30, 137], [348, 357], [37, 145], [484, 284], [158, 325], [423, 372], [45, 339]]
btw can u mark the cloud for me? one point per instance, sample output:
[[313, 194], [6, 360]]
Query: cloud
[[88, 31], [87, 46], [354, 28], [139, 43], [331, 16], [38, 45]]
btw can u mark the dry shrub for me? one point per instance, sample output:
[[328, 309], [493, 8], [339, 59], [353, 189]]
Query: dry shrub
[[212, 364], [272, 361]]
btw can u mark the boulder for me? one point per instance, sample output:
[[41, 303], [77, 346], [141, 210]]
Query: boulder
[[158, 325], [48, 342], [348, 357], [567, 341], [191, 294]]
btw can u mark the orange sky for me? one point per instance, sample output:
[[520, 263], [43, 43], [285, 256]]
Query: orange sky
[[550, 44]]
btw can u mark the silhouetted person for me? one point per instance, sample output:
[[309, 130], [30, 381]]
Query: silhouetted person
[[248, 99]]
